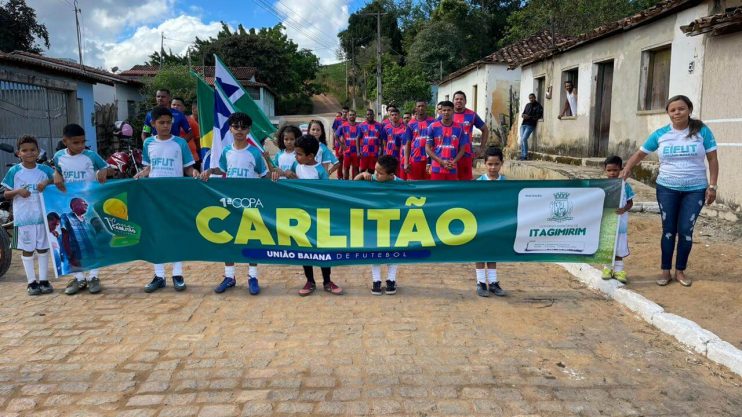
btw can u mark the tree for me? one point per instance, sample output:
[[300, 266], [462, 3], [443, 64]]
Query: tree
[[168, 59], [404, 85], [19, 29], [362, 28], [435, 45], [568, 17]]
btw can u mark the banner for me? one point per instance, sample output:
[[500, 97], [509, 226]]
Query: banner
[[326, 223]]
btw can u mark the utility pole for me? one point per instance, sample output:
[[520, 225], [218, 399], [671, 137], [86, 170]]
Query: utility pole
[[79, 36], [379, 95], [162, 47], [353, 68], [440, 66]]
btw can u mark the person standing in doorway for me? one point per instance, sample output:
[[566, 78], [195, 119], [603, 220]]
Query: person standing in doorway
[[570, 103], [531, 115]]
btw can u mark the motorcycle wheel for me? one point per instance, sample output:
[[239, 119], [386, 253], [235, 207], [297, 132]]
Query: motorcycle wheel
[[6, 253]]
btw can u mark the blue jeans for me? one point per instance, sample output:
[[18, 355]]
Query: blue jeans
[[525, 132], [679, 210]]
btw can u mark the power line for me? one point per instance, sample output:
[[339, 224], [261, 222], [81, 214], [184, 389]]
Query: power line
[[290, 22]]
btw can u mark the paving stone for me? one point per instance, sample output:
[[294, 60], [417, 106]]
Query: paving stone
[[218, 411]]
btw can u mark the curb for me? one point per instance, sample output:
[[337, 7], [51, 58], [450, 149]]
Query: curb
[[687, 332]]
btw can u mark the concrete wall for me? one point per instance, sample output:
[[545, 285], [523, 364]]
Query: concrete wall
[[720, 109], [629, 127], [85, 93], [119, 95], [267, 103], [493, 91]]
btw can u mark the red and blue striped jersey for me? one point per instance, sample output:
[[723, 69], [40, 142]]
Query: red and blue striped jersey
[[372, 136], [445, 141], [419, 130], [396, 138], [336, 124], [348, 134], [468, 119]]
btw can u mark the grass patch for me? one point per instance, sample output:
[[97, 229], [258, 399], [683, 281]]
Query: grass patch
[[332, 79]]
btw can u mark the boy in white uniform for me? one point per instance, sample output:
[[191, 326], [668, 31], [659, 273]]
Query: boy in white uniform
[[77, 164], [24, 183], [613, 166], [163, 156], [239, 160]]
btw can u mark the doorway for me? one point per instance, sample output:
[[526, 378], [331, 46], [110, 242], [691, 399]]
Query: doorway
[[602, 115]]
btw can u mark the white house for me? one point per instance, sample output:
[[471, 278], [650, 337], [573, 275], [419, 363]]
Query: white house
[[625, 71]]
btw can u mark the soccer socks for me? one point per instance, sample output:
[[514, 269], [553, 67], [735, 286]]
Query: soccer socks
[[43, 266], [177, 268], [252, 271], [229, 271], [28, 266], [79, 276], [93, 273], [480, 276], [618, 266], [160, 270], [376, 273], [492, 275], [392, 273]]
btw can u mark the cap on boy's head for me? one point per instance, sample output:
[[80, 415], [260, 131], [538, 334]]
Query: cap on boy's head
[[309, 144], [160, 111], [27, 139], [72, 130], [388, 163], [446, 103], [613, 160], [494, 151], [239, 118]]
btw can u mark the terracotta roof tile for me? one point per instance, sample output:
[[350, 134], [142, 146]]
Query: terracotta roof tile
[[65, 66], [718, 24]]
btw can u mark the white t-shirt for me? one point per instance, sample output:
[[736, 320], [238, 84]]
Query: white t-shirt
[[682, 159], [242, 163], [80, 167], [27, 210], [284, 160], [167, 158], [310, 172], [572, 99]]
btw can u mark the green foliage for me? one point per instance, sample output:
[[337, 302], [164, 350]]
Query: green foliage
[[568, 17], [168, 59], [175, 78], [331, 79], [19, 29], [403, 85], [362, 27], [437, 43]]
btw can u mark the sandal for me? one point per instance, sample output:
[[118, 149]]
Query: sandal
[[685, 281]]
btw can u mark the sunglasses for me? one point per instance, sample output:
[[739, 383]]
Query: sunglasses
[[240, 127]]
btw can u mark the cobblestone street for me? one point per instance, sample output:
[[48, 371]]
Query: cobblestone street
[[552, 348]]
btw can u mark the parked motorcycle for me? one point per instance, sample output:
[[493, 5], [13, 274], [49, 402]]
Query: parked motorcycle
[[128, 161]]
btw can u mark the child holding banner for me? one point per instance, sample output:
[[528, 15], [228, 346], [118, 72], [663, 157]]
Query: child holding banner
[[487, 271], [385, 170], [324, 156], [165, 155], [307, 168], [286, 142], [613, 166], [77, 164], [24, 183], [239, 160]]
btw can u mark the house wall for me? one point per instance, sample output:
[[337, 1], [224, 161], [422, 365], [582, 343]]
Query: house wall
[[85, 93], [493, 91], [267, 103], [720, 109], [629, 127], [119, 95]]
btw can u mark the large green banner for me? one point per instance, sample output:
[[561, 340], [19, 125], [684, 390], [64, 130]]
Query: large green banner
[[331, 222]]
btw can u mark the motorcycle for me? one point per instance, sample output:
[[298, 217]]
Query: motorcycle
[[6, 215], [127, 162]]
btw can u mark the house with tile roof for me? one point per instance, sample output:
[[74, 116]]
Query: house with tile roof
[[492, 83], [625, 71], [262, 93]]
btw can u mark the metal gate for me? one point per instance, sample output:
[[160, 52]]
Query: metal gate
[[27, 109]]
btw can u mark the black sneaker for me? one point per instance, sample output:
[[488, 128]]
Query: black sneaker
[[179, 283], [376, 289], [495, 289], [33, 288], [391, 287], [482, 289], [46, 287], [155, 284]]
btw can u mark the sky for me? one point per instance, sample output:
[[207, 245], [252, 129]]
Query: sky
[[123, 33]]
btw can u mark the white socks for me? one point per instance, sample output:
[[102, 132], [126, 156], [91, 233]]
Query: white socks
[[28, 266], [229, 271], [391, 273], [492, 275], [481, 276], [252, 271], [177, 269], [618, 266], [79, 276]]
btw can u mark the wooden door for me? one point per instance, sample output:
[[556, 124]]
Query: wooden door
[[602, 113]]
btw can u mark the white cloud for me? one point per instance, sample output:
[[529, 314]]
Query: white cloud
[[315, 24], [179, 32]]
